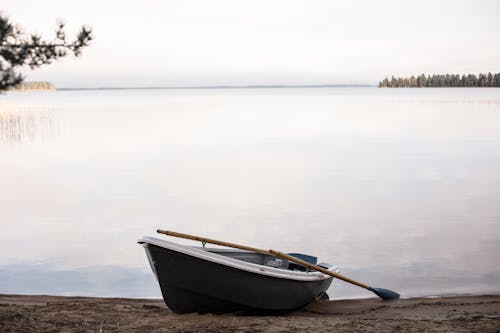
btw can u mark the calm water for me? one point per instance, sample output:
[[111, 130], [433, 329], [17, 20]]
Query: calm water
[[399, 188]]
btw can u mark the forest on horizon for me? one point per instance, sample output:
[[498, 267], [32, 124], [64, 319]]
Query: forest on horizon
[[442, 80]]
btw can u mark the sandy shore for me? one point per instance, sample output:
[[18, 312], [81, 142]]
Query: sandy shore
[[19, 313]]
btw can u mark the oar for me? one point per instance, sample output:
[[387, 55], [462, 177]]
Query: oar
[[385, 294]]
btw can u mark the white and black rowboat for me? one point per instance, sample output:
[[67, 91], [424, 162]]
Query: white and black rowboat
[[202, 279]]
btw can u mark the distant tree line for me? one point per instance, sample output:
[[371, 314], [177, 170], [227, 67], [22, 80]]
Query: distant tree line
[[33, 85], [442, 80]]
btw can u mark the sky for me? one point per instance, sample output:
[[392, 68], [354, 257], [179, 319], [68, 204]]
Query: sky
[[231, 42]]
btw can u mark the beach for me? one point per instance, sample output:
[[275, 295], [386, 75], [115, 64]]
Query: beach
[[30, 313]]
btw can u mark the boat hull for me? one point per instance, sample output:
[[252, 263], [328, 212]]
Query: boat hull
[[191, 284]]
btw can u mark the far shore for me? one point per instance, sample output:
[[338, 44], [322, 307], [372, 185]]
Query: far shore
[[38, 313], [34, 86]]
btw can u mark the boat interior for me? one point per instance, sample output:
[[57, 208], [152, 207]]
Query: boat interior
[[264, 259]]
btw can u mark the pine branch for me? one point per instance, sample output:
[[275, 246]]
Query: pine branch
[[17, 50]]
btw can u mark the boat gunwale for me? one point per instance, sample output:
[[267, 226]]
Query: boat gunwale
[[200, 253]]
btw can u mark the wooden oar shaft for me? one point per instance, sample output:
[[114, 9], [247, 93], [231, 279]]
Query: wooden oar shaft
[[317, 268], [212, 241], [273, 252]]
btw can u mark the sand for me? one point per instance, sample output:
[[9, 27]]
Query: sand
[[20, 313]]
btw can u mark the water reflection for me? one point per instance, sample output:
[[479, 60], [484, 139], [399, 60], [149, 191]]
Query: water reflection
[[26, 126], [398, 188], [109, 281], [122, 281]]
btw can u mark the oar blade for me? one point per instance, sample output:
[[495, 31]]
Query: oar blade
[[385, 294]]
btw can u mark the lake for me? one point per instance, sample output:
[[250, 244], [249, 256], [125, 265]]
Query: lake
[[400, 188]]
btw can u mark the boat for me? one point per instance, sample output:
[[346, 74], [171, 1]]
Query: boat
[[218, 280]]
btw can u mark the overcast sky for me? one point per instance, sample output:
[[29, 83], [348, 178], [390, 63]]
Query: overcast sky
[[201, 42]]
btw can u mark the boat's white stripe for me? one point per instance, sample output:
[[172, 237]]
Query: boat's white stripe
[[239, 264]]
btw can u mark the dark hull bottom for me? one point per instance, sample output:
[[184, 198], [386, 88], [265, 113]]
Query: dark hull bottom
[[190, 284]]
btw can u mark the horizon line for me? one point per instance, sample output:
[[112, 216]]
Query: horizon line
[[251, 86]]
